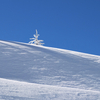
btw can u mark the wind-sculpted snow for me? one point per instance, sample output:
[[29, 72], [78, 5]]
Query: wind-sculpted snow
[[30, 91], [75, 75]]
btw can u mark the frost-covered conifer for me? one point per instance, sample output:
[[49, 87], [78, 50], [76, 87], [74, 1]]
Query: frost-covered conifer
[[35, 39]]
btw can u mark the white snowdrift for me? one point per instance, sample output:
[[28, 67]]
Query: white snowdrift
[[46, 73], [30, 91]]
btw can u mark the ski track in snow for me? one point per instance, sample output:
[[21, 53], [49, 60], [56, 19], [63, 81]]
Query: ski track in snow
[[46, 73]]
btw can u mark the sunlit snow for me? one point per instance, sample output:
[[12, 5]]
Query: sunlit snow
[[33, 72]]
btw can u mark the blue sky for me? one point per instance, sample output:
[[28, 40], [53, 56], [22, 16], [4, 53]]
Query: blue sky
[[67, 24]]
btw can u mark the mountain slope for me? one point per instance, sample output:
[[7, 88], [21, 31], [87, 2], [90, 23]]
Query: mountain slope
[[65, 70]]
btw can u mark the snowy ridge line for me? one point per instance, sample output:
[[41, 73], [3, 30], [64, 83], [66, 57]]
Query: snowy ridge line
[[96, 58], [81, 54], [3, 83], [13, 44], [52, 48]]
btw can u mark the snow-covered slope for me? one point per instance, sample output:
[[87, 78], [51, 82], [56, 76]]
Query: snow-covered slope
[[30, 72]]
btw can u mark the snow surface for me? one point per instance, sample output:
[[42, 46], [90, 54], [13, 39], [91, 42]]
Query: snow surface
[[33, 72]]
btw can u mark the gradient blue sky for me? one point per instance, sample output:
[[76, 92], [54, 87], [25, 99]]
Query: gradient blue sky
[[67, 24]]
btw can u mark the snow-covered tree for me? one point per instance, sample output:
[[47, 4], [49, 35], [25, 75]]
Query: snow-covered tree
[[35, 39]]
